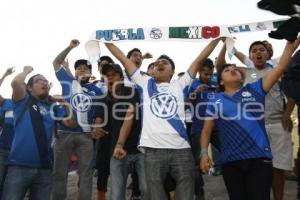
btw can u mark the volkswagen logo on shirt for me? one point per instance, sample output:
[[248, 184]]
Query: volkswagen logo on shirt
[[81, 102], [164, 105]]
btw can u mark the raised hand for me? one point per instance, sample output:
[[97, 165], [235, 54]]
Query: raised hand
[[74, 43], [27, 69], [147, 55], [9, 71]]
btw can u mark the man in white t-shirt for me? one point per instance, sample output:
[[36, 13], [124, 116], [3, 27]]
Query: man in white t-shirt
[[164, 139]]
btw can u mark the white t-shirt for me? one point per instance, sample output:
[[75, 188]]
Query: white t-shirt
[[271, 63], [163, 114]]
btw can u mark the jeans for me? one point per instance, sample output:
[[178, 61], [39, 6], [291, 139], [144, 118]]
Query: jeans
[[120, 170], [199, 183], [20, 179], [3, 168], [102, 162], [64, 145], [179, 163]]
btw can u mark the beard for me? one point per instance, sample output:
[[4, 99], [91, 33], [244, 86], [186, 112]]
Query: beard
[[84, 81], [44, 96]]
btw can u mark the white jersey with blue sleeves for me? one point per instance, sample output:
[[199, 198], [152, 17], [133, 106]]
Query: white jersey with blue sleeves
[[82, 99], [163, 114]]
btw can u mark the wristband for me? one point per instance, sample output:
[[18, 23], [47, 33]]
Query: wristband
[[119, 144], [203, 152], [193, 96]]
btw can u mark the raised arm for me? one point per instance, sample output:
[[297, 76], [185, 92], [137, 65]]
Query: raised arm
[[193, 69], [287, 122], [221, 58], [128, 64], [242, 57], [60, 58], [147, 56], [8, 72], [272, 76], [18, 85], [67, 67]]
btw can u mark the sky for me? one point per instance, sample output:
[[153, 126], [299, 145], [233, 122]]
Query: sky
[[33, 32]]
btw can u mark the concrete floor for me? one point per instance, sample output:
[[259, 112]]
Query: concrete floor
[[214, 188]]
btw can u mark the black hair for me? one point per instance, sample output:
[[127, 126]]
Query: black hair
[[169, 59], [31, 80], [48, 98], [208, 63], [131, 52], [222, 88], [270, 50], [150, 65], [107, 58], [257, 43], [180, 74]]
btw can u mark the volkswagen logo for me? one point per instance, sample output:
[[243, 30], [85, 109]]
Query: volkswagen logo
[[164, 105], [81, 102]]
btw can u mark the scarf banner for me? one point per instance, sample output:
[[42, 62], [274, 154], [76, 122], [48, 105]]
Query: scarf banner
[[176, 33]]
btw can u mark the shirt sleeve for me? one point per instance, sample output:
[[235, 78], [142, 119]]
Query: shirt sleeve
[[62, 75], [248, 62], [140, 78], [65, 80], [258, 87], [186, 80]]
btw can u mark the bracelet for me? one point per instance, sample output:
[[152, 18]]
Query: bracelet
[[119, 144], [203, 152], [193, 96]]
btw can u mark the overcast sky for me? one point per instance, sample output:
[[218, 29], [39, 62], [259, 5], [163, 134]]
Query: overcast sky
[[33, 32]]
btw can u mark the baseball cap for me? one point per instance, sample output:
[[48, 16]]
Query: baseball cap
[[115, 67], [82, 62]]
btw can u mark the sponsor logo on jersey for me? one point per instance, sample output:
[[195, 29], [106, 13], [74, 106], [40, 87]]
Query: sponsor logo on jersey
[[81, 102], [164, 105]]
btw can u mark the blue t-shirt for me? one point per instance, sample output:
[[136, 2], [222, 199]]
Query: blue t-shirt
[[240, 120], [200, 105], [24, 149], [6, 114], [82, 99]]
